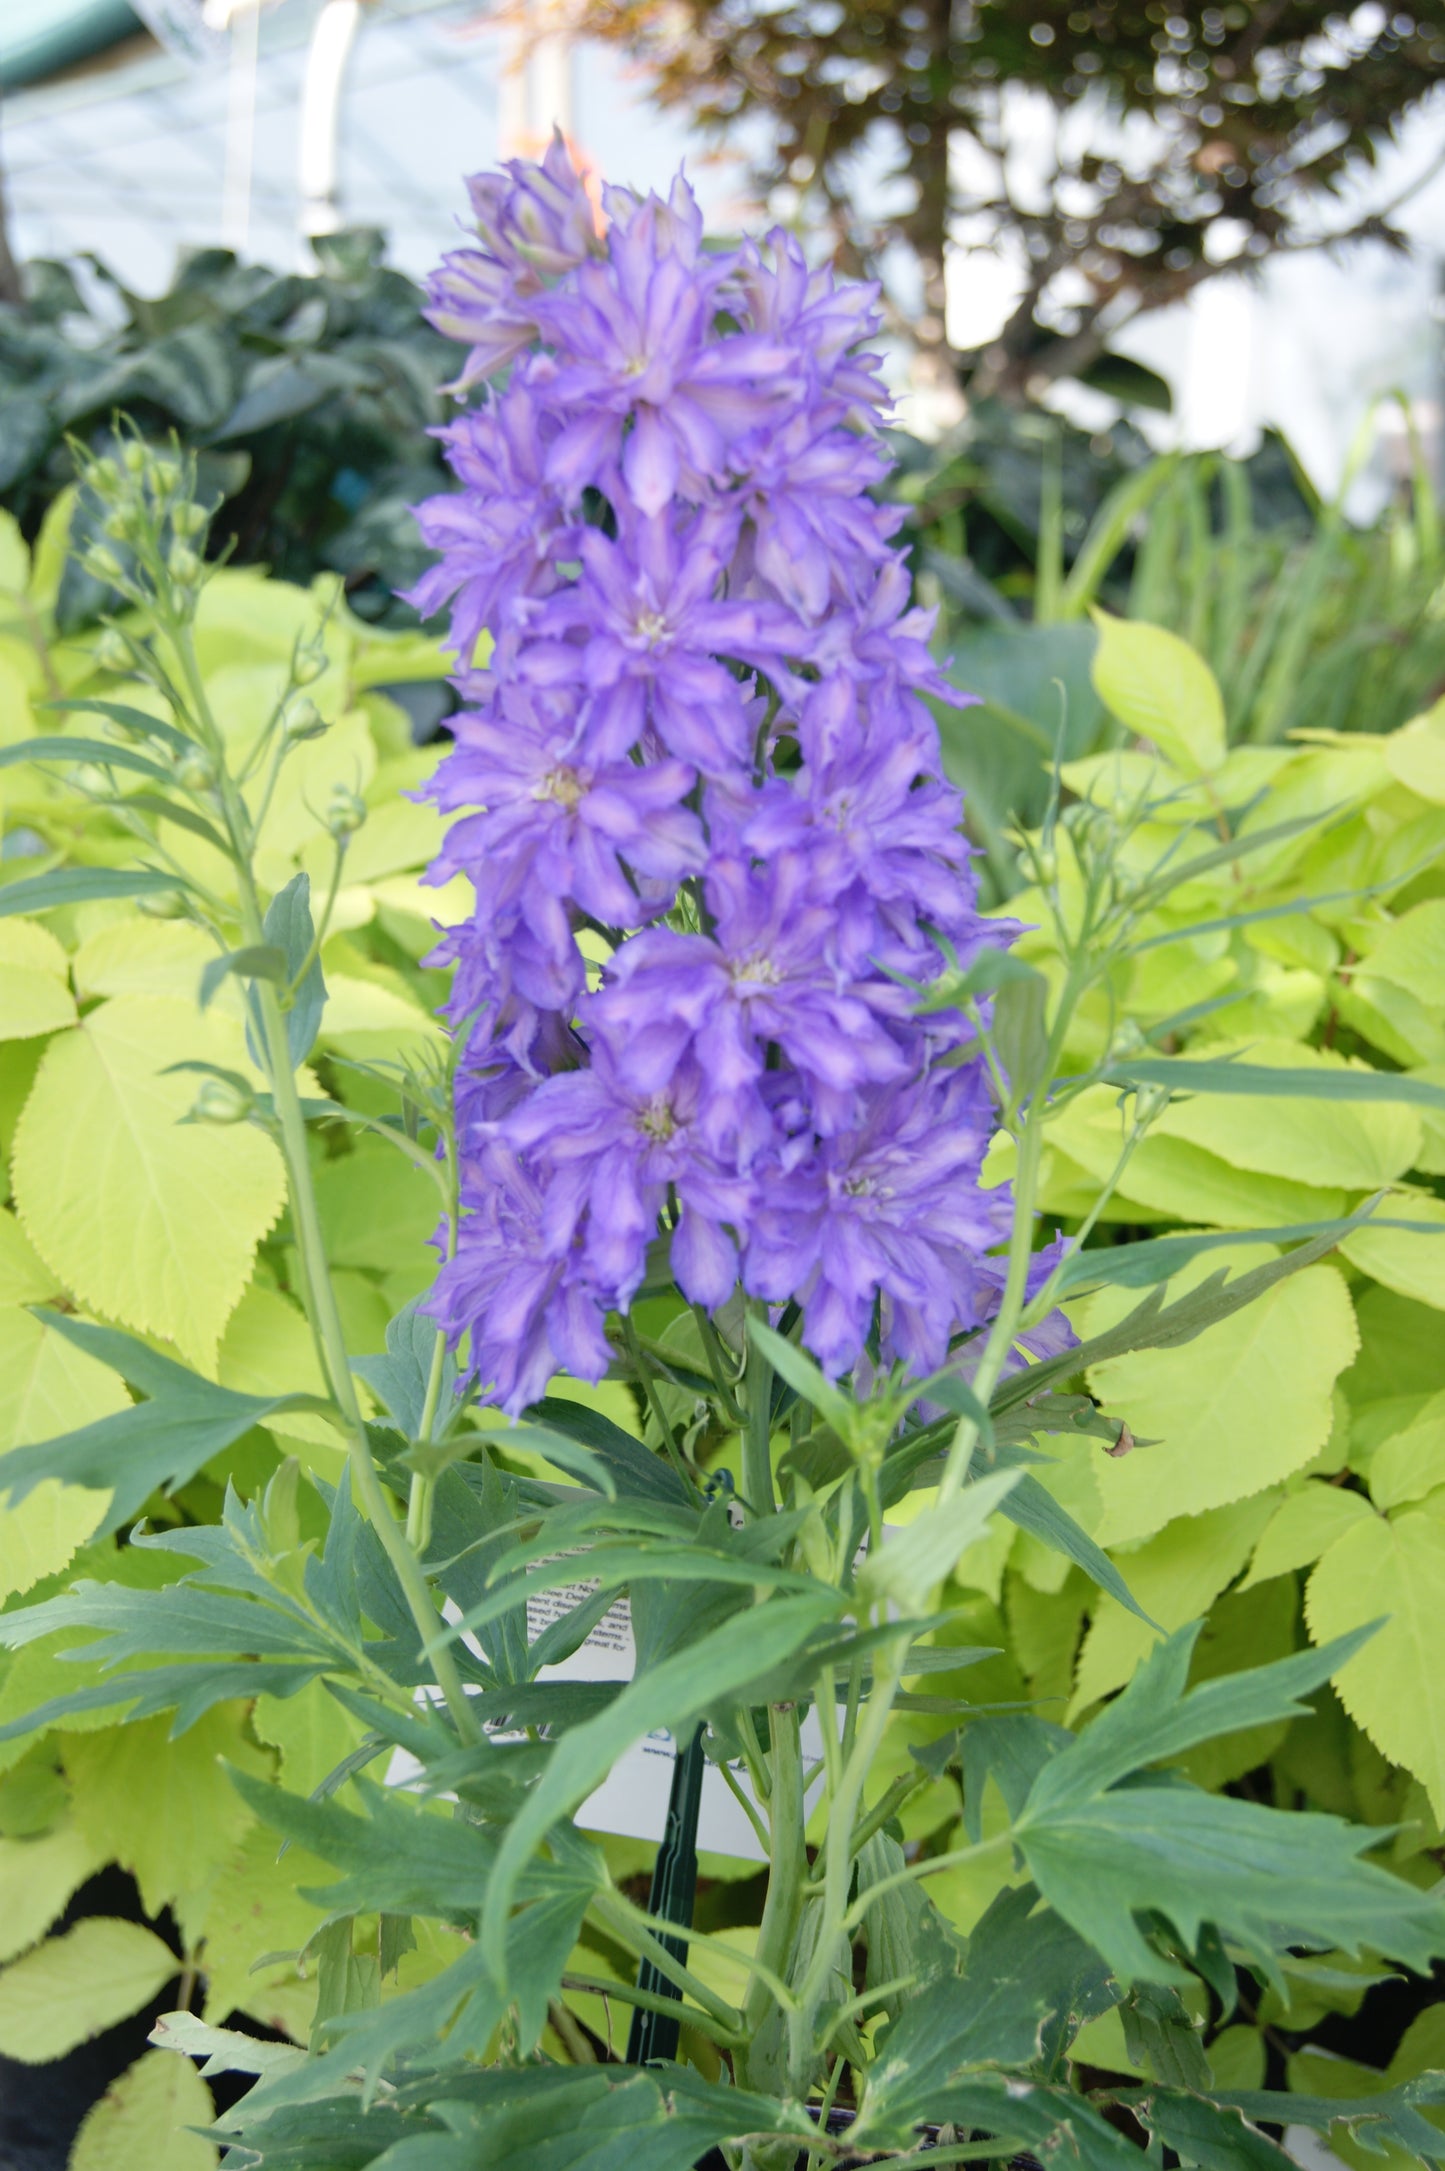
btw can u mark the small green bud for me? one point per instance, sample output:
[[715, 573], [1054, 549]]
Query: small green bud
[[133, 454], [218, 1101], [188, 518], [112, 651], [103, 564], [195, 770], [310, 663], [183, 564], [1126, 884], [162, 905], [1046, 867], [103, 477], [1127, 1040], [90, 778], [345, 813], [302, 720]]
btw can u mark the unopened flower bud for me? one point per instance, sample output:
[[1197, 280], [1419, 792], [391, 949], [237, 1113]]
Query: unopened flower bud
[[183, 564], [103, 564], [1046, 867], [121, 523], [112, 651], [188, 518], [195, 770], [310, 663], [1127, 1040], [218, 1101], [133, 453], [302, 720], [103, 477], [345, 813]]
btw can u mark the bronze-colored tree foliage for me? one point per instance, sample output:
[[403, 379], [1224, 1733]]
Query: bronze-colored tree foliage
[[1171, 138]]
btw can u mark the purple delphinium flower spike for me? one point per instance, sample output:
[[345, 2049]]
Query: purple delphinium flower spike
[[697, 789]]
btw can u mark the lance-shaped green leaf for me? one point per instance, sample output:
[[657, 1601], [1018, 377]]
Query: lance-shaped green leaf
[[1186, 1074], [261, 961], [675, 1694], [128, 717], [637, 1473], [160, 1443], [289, 928], [1155, 1324], [907, 1570], [83, 886], [1034, 1509], [103, 752], [808, 1382], [1158, 1258], [400, 1377]]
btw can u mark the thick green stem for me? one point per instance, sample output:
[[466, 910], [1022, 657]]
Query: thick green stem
[[788, 1867]]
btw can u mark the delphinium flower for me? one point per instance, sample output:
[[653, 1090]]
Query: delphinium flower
[[697, 787]]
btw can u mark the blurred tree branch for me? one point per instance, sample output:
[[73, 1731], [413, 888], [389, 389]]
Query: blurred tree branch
[[1116, 153]]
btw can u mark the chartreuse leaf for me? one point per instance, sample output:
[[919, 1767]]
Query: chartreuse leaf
[[674, 1695], [1411, 1263], [47, 1386], [162, 1809], [140, 1446], [141, 2122], [1393, 1572], [1264, 1879], [71, 1987], [35, 993], [1161, 690], [1237, 1408], [37, 1877], [1303, 1526], [152, 1222]]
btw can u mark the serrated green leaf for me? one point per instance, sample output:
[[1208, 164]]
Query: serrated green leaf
[[72, 1987], [1162, 690], [141, 2121], [1303, 1526], [37, 1878], [152, 1223], [1393, 1572]]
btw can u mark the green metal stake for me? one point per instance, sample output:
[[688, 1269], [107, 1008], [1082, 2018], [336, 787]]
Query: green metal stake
[[654, 2036]]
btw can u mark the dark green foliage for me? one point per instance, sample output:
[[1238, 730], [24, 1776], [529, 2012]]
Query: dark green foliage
[[309, 397]]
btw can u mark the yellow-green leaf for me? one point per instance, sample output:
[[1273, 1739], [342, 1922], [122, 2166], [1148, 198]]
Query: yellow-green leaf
[[1352, 1145], [24, 1276], [254, 1907], [1411, 1264], [1162, 690], [72, 1987], [37, 1877], [140, 2123], [32, 1002], [1415, 754], [1304, 1525], [1175, 1577], [153, 1222], [1410, 1463], [164, 1809], [1411, 953], [136, 956], [1243, 1405], [1395, 1687]]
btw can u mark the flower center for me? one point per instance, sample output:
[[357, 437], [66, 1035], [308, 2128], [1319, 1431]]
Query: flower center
[[758, 970], [655, 1118], [652, 626], [561, 784], [858, 1187]]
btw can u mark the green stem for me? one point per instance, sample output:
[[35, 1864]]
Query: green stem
[[654, 1403], [311, 1244], [423, 1487], [788, 1866], [757, 1435], [628, 1923], [604, 1987]]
